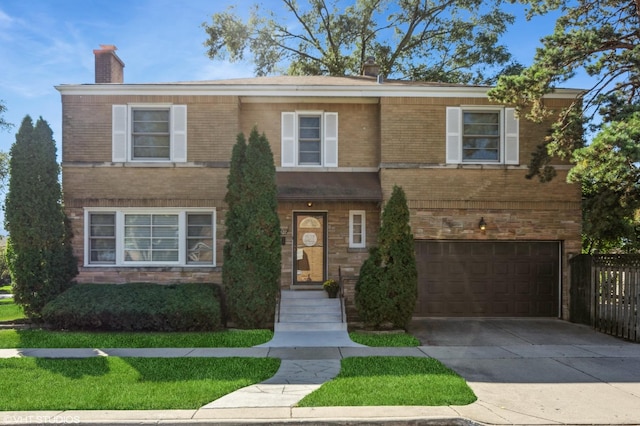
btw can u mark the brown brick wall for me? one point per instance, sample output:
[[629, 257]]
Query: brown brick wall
[[358, 128], [137, 182], [212, 125], [413, 129]]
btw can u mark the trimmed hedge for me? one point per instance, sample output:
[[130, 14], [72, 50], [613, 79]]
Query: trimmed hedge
[[136, 307]]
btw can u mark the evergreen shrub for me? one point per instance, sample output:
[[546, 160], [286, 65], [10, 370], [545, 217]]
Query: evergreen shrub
[[136, 307]]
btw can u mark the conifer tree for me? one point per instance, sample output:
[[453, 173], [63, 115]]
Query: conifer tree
[[39, 251], [387, 288], [253, 230], [397, 253]]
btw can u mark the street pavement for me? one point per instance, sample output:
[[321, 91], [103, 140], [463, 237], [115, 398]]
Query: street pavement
[[523, 371]]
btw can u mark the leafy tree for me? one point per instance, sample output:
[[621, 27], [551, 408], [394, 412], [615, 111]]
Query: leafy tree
[[251, 271], [434, 40], [3, 123], [388, 285], [39, 252], [601, 38]]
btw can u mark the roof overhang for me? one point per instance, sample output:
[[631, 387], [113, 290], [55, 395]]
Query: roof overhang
[[329, 186], [292, 87]]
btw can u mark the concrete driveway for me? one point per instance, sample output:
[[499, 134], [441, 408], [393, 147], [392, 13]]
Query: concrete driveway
[[537, 371]]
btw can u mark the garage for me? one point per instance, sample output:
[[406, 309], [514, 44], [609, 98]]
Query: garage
[[488, 279]]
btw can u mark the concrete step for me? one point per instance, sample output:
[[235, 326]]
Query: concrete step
[[326, 303], [303, 294], [310, 327], [313, 309], [311, 318]]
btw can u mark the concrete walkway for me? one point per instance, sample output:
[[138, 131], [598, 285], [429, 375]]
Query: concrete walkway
[[524, 372]]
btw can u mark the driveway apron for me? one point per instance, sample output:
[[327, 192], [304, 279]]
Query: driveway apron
[[538, 371]]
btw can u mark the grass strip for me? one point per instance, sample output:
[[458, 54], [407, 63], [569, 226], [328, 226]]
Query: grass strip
[[9, 311], [108, 383], [365, 381], [384, 339], [77, 339]]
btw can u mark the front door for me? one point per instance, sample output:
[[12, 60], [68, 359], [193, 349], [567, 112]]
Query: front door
[[309, 248]]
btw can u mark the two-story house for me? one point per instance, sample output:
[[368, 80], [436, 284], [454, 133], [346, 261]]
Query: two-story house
[[145, 170]]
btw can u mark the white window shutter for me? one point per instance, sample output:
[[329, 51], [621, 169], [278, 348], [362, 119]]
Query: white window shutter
[[179, 133], [454, 135], [288, 139], [119, 133], [511, 131], [330, 139]]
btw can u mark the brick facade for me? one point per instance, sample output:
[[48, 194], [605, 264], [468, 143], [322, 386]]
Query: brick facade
[[400, 137]]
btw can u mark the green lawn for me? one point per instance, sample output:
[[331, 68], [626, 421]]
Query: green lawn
[[9, 311], [370, 381], [384, 339], [222, 339], [79, 339], [108, 383]]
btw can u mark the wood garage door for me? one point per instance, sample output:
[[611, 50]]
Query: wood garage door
[[488, 279]]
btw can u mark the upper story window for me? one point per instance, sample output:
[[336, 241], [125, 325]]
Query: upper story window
[[150, 135], [150, 237], [309, 138], [478, 135], [149, 132]]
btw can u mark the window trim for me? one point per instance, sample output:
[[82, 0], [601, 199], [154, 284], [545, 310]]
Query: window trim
[[509, 135], [120, 213], [122, 133], [352, 243], [290, 144]]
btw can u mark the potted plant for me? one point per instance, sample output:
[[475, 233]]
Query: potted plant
[[332, 287]]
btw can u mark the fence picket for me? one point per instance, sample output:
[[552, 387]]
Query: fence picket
[[614, 299]]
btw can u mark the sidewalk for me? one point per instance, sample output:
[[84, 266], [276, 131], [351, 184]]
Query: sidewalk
[[583, 377]]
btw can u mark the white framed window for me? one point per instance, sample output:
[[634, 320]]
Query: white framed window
[[482, 135], [149, 132], [309, 139], [149, 237], [357, 229]]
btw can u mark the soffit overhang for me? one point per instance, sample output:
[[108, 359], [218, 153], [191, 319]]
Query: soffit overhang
[[329, 186]]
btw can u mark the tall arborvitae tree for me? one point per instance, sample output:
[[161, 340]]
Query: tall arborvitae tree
[[396, 245], [387, 288], [39, 251], [253, 229], [233, 223]]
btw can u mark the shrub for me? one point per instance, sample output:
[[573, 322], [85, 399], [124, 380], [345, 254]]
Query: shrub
[[136, 307]]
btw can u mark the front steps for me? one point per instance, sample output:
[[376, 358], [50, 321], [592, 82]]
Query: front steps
[[309, 311], [309, 319]]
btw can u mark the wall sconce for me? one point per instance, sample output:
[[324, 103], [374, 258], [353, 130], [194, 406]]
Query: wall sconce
[[309, 203], [283, 233], [482, 224]]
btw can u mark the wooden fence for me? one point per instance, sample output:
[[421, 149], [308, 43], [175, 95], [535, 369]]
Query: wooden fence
[[605, 293]]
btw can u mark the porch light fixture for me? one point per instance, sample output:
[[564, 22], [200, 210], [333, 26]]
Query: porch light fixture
[[309, 203], [283, 233], [482, 225]]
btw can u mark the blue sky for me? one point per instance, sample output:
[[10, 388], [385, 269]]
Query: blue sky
[[44, 43]]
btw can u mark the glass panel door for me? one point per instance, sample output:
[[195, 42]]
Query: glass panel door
[[309, 248]]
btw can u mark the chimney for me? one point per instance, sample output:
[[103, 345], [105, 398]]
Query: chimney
[[109, 68], [370, 68]]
